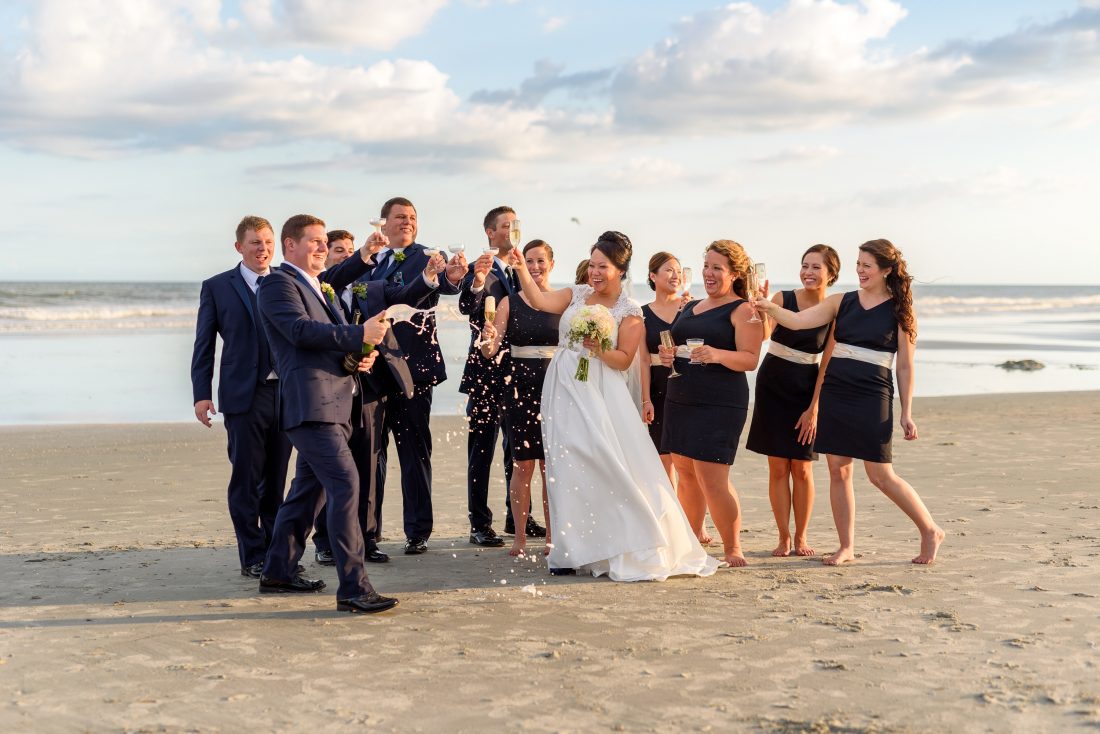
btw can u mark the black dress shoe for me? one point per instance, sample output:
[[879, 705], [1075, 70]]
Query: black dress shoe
[[366, 604], [509, 527], [297, 585], [563, 572], [253, 571], [415, 546], [376, 556], [325, 558], [487, 538], [534, 530]]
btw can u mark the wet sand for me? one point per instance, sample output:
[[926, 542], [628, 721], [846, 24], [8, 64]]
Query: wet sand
[[122, 609]]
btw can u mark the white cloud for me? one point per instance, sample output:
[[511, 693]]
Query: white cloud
[[83, 86], [812, 63], [377, 24], [553, 24], [798, 154]]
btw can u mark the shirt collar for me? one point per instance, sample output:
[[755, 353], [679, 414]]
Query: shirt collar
[[251, 278], [311, 279]]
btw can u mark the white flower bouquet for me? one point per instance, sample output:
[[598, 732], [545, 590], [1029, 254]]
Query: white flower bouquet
[[595, 322]]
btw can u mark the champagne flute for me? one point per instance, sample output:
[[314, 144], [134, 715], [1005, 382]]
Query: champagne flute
[[685, 279], [668, 343], [752, 292], [515, 234]]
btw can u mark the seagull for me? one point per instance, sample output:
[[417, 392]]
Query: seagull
[[575, 221]]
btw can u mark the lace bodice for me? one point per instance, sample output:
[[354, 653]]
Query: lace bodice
[[625, 306]]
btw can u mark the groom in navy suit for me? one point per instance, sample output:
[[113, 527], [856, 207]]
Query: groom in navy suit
[[407, 418], [484, 385], [247, 392], [310, 337]]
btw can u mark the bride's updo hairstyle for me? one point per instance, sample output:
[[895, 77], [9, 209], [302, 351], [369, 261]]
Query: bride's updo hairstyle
[[616, 247], [737, 260]]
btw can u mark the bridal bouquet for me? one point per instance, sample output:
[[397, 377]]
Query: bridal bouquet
[[590, 321]]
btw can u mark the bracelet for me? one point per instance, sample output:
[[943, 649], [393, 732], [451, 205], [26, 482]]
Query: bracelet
[[647, 402]]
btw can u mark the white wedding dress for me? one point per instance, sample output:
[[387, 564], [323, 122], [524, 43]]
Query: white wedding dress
[[612, 508]]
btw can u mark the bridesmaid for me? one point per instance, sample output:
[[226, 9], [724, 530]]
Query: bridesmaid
[[857, 396], [784, 415], [664, 280], [706, 408], [533, 336]]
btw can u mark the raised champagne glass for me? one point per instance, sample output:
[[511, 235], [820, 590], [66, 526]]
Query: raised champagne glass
[[515, 234], [752, 290], [668, 343], [377, 224], [685, 279]]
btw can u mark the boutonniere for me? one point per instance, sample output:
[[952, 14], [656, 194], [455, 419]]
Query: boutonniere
[[329, 293], [359, 290], [399, 256]]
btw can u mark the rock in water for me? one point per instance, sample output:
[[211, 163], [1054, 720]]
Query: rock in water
[[1027, 365]]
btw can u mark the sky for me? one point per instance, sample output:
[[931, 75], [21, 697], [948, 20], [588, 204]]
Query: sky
[[134, 134]]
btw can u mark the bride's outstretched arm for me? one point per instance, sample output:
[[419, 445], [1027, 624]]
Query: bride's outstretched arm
[[549, 301], [619, 357]]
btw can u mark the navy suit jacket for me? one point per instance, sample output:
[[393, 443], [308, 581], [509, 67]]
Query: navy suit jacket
[[479, 370], [391, 374], [421, 349], [309, 338], [225, 308]]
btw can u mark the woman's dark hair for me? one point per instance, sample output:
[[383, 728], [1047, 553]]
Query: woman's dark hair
[[832, 260], [898, 282], [616, 247], [539, 243], [655, 264]]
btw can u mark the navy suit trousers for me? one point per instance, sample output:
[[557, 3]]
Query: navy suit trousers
[[486, 413], [408, 420], [259, 453], [364, 443], [325, 470]]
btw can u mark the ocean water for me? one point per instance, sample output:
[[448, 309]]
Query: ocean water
[[121, 352]]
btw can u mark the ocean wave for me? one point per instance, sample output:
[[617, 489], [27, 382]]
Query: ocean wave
[[125, 317], [955, 305]]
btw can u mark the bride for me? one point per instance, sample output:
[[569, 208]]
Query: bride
[[611, 505]]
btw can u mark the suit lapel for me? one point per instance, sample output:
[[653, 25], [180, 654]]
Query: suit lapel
[[329, 308], [503, 278], [243, 291]]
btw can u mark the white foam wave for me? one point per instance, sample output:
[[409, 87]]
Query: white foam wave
[[953, 305]]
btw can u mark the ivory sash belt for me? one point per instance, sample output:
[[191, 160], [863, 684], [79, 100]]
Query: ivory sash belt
[[870, 356], [533, 352], [792, 355]]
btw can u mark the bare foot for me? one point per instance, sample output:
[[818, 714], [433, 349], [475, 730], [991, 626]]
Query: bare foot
[[783, 549], [802, 548], [546, 550], [705, 539], [736, 560], [518, 548], [844, 555], [929, 545]]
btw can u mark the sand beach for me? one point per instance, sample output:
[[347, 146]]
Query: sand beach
[[121, 606]]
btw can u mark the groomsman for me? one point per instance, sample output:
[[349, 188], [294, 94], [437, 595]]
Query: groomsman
[[389, 376], [341, 246], [407, 417], [310, 339], [247, 392], [483, 382]]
